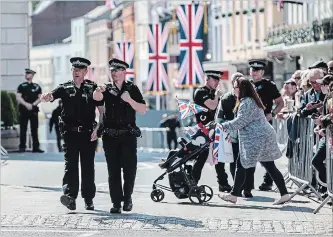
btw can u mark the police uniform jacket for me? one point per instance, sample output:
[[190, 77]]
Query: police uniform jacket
[[78, 104], [200, 96], [118, 113], [30, 92], [268, 92]]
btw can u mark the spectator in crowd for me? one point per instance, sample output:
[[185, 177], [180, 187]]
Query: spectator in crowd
[[313, 98], [170, 122], [297, 76], [322, 123], [320, 65], [330, 67]]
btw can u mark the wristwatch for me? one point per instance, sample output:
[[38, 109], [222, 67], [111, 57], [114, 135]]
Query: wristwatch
[[273, 115]]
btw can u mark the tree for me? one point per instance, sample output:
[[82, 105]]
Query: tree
[[7, 109], [16, 107]]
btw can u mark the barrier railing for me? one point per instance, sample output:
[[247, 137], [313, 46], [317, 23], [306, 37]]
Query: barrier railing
[[302, 146], [153, 140]]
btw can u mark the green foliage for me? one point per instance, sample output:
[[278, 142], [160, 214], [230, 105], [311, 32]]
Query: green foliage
[[34, 5], [7, 109], [16, 107]]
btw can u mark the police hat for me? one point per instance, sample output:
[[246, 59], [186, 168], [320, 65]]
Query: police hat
[[117, 64], [257, 64], [319, 64], [214, 74], [27, 71], [78, 62]]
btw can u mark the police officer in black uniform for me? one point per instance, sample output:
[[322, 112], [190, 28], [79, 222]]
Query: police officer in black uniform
[[54, 121], [208, 97], [28, 94], [122, 100], [79, 132], [269, 94]]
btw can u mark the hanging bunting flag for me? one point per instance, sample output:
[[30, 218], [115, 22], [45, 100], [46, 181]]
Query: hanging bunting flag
[[158, 80], [190, 18], [124, 51]]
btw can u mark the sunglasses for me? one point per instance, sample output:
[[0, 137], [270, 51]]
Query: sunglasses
[[116, 69]]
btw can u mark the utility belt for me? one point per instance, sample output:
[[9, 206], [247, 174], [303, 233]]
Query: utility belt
[[118, 132], [63, 128]]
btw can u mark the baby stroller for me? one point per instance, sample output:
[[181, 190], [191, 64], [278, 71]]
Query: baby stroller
[[179, 172]]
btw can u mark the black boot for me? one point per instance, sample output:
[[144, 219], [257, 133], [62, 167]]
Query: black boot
[[116, 208], [68, 202], [89, 204], [128, 204]]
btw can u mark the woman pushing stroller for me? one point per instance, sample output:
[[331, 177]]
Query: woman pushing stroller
[[257, 140]]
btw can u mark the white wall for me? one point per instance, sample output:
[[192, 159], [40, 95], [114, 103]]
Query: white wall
[[61, 64], [78, 37], [14, 51]]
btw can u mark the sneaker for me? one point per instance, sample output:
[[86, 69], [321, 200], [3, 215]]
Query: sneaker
[[68, 202], [225, 188], [285, 198], [228, 198]]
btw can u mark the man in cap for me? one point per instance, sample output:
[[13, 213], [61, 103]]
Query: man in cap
[[269, 94], [321, 65], [122, 101], [28, 94], [208, 97], [79, 130]]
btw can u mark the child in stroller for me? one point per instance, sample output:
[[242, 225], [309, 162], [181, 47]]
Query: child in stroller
[[179, 172]]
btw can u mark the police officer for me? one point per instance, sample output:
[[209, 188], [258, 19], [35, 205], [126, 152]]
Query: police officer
[[54, 121], [79, 133], [28, 94], [208, 97], [122, 100], [269, 94]]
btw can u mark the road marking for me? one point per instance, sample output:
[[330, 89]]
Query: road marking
[[85, 233]]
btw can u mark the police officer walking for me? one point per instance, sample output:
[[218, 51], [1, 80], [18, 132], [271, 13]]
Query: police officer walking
[[79, 132], [122, 100], [27, 95], [269, 94], [208, 97]]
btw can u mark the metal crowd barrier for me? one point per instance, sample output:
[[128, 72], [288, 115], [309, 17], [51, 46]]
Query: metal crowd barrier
[[153, 140], [329, 170], [300, 165], [300, 169]]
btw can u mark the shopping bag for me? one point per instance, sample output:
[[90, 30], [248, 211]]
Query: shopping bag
[[222, 150]]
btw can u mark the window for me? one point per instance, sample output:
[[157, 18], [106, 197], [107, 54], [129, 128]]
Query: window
[[68, 67], [249, 29]]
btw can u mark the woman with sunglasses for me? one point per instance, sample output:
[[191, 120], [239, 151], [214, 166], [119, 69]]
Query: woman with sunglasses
[[257, 140]]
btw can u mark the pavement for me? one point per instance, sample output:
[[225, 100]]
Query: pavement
[[31, 188]]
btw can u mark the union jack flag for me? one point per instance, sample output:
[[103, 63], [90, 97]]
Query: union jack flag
[[191, 44], [124, 51], [158, 80], [188, 109], [217, 138]]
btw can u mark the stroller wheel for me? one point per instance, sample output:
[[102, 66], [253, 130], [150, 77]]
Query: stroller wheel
[[197, 195], [209, 192], [157, 195]]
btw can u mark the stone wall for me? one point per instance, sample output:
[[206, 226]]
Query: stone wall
[[14, 52]]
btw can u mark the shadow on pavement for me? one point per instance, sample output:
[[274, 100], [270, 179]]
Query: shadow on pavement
[[154, 221], [242, 206]]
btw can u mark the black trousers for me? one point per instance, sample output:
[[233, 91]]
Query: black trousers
[[59, 138], [267, 178], [121, 153], [172, 137], [79, 145], [318, 161], [222, 177], [25, 117], [270, 168]]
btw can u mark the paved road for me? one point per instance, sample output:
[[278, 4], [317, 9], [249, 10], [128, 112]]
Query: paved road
[[31, 187]]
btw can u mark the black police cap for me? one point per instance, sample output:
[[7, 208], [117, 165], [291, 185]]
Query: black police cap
[[117, 64], [257, 64], [214, 74], [79, 62], [319, 64], [27, 70]]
